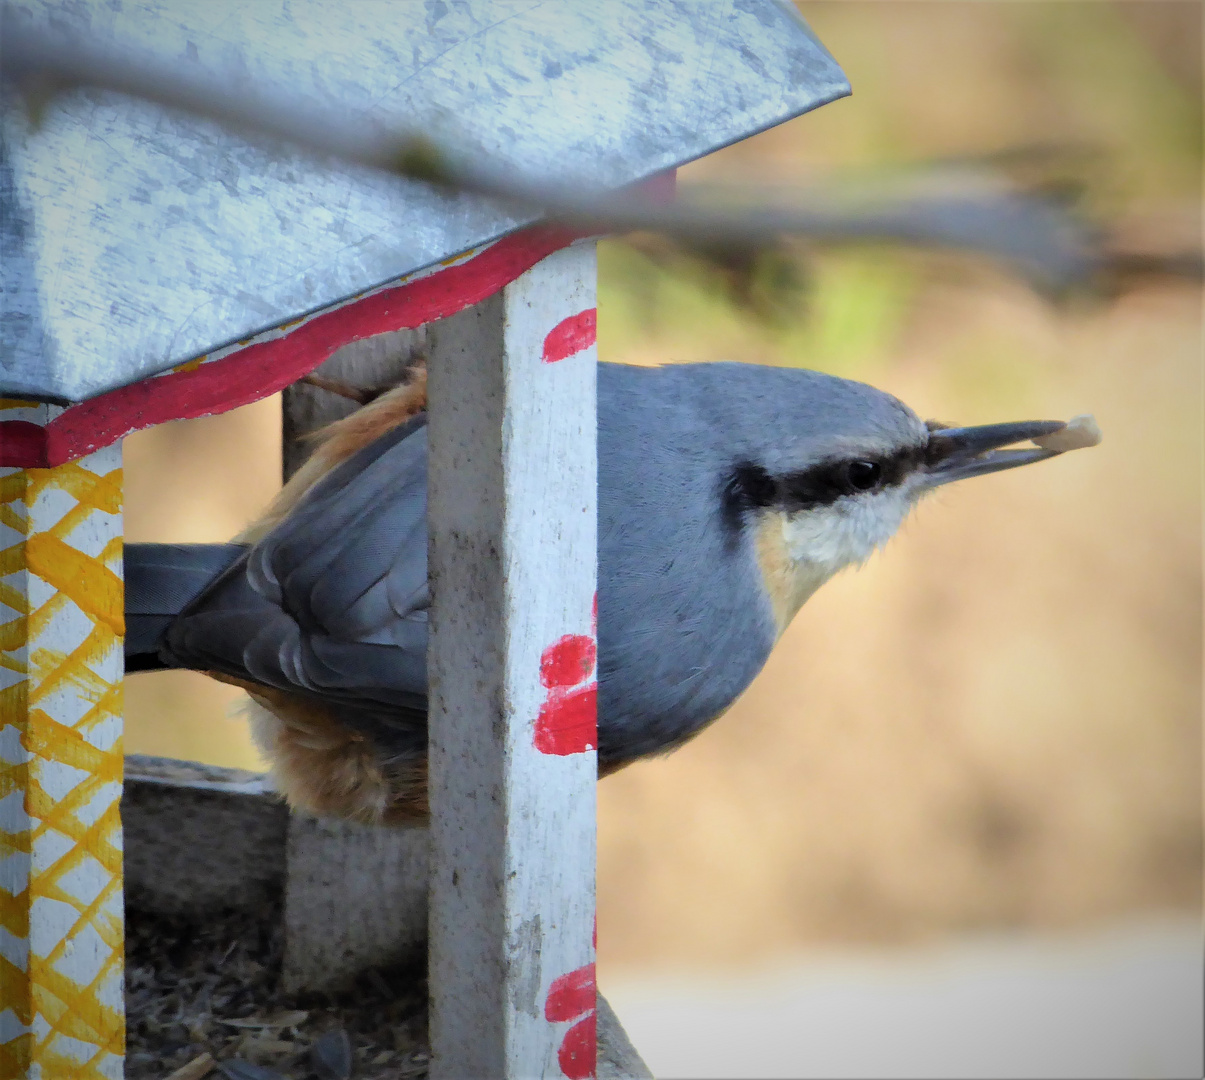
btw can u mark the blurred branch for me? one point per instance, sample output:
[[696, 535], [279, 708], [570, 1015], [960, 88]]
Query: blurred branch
[[1038, 236], [43, 65]]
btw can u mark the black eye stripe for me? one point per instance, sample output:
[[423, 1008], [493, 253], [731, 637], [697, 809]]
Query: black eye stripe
[[750, 486], [825, 483], [747, 487]]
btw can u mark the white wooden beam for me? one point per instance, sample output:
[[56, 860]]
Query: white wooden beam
[[513, 767], [61, 925]]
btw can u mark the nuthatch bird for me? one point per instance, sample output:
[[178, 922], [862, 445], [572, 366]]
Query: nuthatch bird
[[727, 494]]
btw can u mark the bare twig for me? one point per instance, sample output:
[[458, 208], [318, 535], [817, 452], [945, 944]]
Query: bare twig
[[1042, 240], [1038, 236], [342, 389]]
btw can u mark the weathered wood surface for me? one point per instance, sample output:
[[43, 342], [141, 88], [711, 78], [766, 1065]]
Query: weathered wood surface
[[61, 929], [355, 897], [512, 522], [201, 838]]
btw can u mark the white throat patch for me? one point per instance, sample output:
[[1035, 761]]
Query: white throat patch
[[848, 530], [798, 552]]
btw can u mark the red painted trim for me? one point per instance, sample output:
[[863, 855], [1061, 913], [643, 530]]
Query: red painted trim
[[22, 444], [571, 335], [264, 367]]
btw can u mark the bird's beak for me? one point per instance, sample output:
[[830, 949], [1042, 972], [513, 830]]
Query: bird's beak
[[956, 453]]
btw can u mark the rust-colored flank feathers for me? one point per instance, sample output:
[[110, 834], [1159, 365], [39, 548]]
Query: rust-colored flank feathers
[[317, 763]]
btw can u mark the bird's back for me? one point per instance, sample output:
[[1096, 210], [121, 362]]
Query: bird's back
[[727, 493], [324, 611]]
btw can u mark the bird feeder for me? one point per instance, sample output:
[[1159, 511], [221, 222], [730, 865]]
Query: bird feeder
[[160, 265]]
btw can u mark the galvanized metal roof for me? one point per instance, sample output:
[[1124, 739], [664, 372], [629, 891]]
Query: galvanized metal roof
[[134, 238]]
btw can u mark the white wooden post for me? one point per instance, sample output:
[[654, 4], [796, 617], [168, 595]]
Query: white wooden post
[[61, 927], [513, 765]]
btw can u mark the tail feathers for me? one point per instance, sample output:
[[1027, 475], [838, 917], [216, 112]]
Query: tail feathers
[[160, 581]]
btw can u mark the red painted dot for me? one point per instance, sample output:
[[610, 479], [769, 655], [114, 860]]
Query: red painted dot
[[571, 335], [23, 444], [568, 660], [571, 995], [568, 721], [578, 1055]]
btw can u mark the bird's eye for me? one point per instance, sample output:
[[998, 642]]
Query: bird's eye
[[864, 475]]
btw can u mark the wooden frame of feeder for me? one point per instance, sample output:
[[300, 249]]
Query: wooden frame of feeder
[[571, 95], [511, 660]]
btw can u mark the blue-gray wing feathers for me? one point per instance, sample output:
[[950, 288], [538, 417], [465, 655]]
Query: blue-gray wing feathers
[[333, 601]]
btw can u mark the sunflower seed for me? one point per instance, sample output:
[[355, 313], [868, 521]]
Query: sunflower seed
[[281, 1020], [195, 1069]]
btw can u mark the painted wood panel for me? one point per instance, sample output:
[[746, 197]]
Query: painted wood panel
[[512, 522], [61, 920]]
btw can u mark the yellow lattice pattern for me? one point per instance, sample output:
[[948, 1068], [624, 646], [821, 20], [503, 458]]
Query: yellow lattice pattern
[[61, 942]]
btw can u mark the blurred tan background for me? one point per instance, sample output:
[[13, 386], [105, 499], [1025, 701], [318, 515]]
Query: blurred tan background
[[997, 722]]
